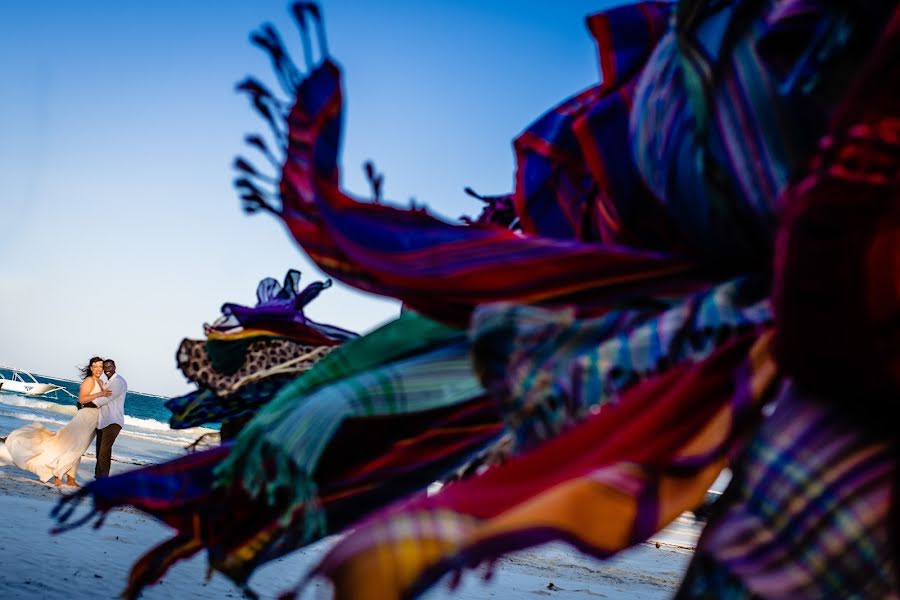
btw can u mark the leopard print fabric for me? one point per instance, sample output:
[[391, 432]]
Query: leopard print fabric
[[262, 356]]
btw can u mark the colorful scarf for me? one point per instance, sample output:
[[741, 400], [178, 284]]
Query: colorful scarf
[[627, 402], [813, 508], [444, 270], [573, 181], [608, 483], [251, 352], [549, 370], [807, 513], [408, 366], [206, 406], [401, 455]]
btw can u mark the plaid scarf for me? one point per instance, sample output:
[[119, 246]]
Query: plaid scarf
[[807, 514], [813, 509], [637, 463], [549, 370], [642, 458], [573, 181], [402, 454]]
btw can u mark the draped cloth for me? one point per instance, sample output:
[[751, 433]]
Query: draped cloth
[[252, 352], [549, 370], [409, 546]]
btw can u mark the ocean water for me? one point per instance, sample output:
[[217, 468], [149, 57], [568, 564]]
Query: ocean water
[[137, 405], [145, 439]]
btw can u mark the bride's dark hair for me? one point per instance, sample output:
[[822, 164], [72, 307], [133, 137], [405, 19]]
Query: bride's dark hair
[[86, 369]]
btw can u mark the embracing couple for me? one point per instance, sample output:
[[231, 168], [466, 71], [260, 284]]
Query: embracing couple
[[101, 413]]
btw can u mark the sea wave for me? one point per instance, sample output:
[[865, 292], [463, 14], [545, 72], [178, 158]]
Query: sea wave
[[144, 440], [149, 427], [32, 418], [152, 424], [23, 402], [170, 436]]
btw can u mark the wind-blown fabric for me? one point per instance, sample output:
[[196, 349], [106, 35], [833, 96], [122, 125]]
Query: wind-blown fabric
[[279, 309], [241, 533], [443, 270], [807, 514], [410, 365], [622, 336], [391, 251], [203, 405], [712, 139], [840, 244], [417, 438], [549, 370], [251, 352], [813, 510], [573, 181], [615, 463], [404, 550]]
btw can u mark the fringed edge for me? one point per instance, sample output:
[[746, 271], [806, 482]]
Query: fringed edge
[[498, 210], [62, 513], [270, 474], [375, 179], [305, 499], [195, 445], [154, 564], [258, 190]]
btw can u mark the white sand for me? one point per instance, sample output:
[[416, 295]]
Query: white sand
[[87, 564]]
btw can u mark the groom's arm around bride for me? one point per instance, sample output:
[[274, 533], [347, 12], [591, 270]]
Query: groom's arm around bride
[[112, 417]]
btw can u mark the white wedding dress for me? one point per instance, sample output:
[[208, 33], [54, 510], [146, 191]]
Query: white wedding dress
[[47, 454]]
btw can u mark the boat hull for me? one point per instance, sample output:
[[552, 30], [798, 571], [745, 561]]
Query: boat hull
[[29, 389]]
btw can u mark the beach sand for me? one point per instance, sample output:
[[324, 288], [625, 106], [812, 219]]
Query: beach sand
[[89, 563]]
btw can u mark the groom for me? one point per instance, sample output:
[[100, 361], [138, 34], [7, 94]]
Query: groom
[[112, 417]]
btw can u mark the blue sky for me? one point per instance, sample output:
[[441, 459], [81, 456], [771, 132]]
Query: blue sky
[[121, 233]]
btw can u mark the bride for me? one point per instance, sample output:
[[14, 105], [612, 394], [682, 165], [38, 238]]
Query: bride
[[52, 455]]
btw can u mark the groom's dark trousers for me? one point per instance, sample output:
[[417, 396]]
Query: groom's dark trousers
[[106, 437]]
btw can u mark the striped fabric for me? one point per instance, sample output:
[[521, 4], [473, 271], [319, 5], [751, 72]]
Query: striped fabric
[[807, 515], [636, 374], [838, 249], [402, 454], [440, 378], [813, 510], [549, 370], [717, 134], [572, 180], [444, 270], [608, 483], [378, 363]]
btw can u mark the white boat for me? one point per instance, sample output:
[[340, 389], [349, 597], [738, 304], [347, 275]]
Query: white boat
[[23, 382]]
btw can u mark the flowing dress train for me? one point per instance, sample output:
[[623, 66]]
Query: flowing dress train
[[47, 454]]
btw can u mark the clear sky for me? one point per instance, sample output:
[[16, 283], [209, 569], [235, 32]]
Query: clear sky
[[120, 233]]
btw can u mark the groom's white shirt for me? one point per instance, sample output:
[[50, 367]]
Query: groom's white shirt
[[112, 408]]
